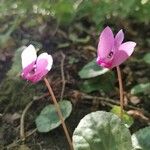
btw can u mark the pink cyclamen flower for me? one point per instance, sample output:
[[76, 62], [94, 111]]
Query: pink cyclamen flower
[[111, 51], [35, 68]]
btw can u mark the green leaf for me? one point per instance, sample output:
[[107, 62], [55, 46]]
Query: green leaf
[[146, 58], [16, 67], [128, 120], [103, 83], [91, 70], [141, 88], [141, 139], [101, 131], [48, 118]]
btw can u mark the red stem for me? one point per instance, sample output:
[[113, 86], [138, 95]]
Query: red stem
[[120, 90], [59, 113]]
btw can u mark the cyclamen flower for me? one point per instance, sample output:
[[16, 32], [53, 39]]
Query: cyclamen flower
[[35, 68], [111, 51]]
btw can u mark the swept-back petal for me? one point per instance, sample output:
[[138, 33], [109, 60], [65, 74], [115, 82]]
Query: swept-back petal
[[28, 56], [119, 38], [44, 61], [128, 47], [106, 43], [125, 50]]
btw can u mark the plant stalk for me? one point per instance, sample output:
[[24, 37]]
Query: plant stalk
[[59, 113], [120, 90]]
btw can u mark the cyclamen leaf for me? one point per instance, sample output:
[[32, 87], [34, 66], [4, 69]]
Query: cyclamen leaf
[[91, 70], [141, 88], [104, 83], [101, 131], [140, 139], [48, 118]]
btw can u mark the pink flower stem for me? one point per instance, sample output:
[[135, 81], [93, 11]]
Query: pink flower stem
[[59, 113], [120, 90]]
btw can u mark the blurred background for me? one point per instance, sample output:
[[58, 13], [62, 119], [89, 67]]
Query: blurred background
[[69, 30]]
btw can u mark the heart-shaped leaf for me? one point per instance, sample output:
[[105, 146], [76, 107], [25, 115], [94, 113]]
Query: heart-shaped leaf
[[101, 131], [141, 139], [48, 118], [128, 120], [104, 83], [141, 88], [91, 70]]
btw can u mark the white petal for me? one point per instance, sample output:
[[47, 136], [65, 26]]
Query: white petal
[[46, 57], [28, 56]]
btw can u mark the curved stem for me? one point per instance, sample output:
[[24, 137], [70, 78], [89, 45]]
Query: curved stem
[[120, 90], [59, 113]]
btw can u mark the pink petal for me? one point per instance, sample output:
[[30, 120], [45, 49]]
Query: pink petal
[[125, 51], [106, 43], [28, 56], [37, 76], [27, 70], [43, 65], [119, 38], [44, 61], [128, 47]]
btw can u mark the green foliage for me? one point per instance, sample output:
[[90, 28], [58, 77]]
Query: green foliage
[[103, 83], [16, 67], [100, 11], [141, 11], [141, 88], [91, 70], [128, 120], [101, 131], [146, 58], [48, 118], [65, 11], [140, 139]]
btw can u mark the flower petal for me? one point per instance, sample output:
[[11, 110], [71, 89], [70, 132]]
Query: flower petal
[[44, 61], [37, 76], [119, 38], [43, 65], [125, 51], [28, 56], [106, 42], [26, 71], [128, 47]]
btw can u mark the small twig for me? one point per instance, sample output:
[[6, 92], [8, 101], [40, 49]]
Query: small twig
[[109, 100], [35, 98], [59, 113], [62, 75], [22, 132], [120, 90]]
